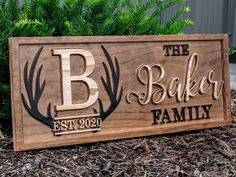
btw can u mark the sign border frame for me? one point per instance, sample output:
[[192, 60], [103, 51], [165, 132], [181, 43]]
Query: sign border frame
[[17, 118]]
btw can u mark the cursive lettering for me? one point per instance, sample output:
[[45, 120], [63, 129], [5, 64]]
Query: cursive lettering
[[182, 91]]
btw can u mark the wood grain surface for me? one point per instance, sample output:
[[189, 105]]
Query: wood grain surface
[[127, 86]]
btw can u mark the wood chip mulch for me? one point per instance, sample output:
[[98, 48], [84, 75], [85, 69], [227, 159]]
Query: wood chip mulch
[[194, 154]]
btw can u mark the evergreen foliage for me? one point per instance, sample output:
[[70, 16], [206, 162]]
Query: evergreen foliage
[[80, 17], [232, 51]]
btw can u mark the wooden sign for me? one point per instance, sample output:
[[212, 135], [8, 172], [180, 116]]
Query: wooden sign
[[73, 90]]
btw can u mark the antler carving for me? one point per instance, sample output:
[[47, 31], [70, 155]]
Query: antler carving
[[111, 85], [32, 106]]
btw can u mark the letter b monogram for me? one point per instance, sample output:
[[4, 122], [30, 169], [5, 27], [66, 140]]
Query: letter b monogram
[[67, 79]]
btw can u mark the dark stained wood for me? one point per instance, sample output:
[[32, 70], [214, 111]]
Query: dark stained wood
[[124, 102]]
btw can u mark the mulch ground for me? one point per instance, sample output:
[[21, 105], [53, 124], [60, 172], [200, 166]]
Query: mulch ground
[[194, 154]]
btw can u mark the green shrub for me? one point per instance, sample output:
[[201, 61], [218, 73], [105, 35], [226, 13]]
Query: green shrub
[[80, 17], [232, 51]]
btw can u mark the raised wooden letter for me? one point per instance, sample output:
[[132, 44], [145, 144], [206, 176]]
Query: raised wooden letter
[[67, 79]]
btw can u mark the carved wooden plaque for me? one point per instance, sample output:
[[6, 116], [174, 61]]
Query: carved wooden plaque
[[73, 90]]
